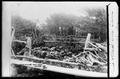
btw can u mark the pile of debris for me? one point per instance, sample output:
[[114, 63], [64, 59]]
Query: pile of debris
[[93, 58]]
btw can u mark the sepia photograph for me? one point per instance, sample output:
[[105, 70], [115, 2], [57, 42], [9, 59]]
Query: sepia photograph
[[60, 39]]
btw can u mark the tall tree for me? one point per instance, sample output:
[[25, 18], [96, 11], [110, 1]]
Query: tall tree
[[100, 21]]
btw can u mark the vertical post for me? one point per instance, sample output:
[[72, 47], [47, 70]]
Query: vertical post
[[12, 32], [87, 40], [12, 38], [60, 29], [29, 45]]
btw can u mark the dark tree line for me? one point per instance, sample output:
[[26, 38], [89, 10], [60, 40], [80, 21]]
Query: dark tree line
[[25, 28], [95, 23], [63, 24]]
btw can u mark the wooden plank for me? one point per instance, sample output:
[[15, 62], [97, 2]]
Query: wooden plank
[[29, 44], [59, 69], [19, 41], [87, 40], [52, 60]]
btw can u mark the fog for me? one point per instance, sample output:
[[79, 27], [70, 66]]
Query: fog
[[39, 11]]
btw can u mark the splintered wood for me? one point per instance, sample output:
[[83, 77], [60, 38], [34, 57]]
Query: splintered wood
[[29, 45], [85, 60], [87, 40], [96, 54]]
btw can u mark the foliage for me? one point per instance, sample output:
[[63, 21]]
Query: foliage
[[95, 23], [24, 27], [64, 24], [100, 21]]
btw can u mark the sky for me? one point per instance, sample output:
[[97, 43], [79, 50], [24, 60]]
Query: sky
[[39, 11]]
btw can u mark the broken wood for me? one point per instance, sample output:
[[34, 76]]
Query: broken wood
[[59, 69], [29, 44], [87, 40], [12, 52], [101, 46], [19, 41], [89, 49], [87, 57]]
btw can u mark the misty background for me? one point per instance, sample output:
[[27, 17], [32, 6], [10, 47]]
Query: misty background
[[59, 18]]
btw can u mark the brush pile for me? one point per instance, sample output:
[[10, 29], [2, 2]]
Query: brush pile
[[92, 58]]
